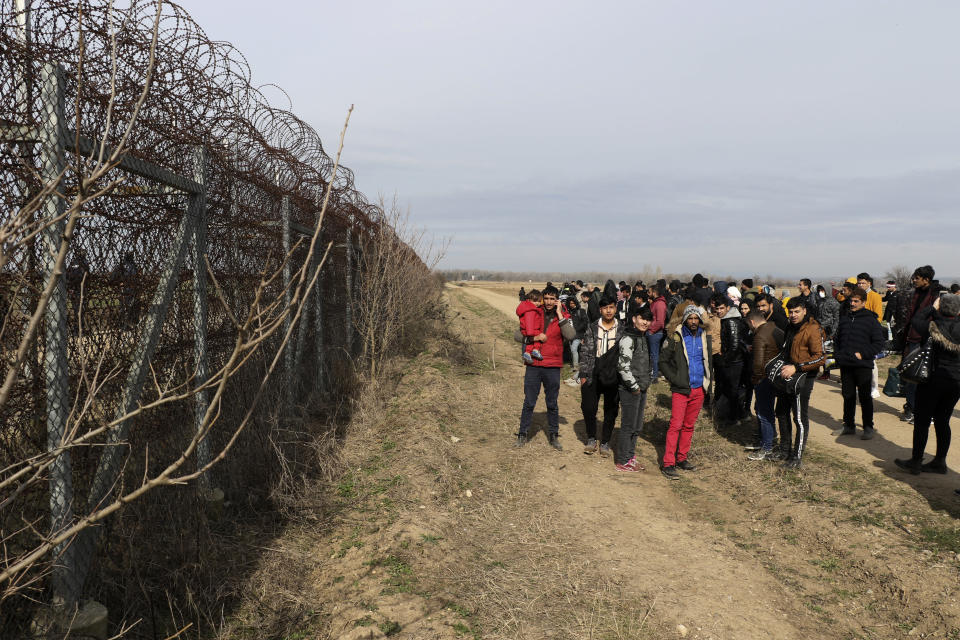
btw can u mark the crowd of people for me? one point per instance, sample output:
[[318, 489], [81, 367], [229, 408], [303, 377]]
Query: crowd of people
[[747, 353]]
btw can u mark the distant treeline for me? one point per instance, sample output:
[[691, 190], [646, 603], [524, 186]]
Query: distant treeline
[[647, 276]]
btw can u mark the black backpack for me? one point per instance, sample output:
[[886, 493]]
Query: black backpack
[[605, 367]]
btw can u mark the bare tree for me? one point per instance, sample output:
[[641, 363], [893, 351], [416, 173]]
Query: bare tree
[[901, 275]]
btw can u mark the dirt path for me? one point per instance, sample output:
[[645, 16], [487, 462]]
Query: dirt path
[[633, 527], [893, 440], [438, 528]]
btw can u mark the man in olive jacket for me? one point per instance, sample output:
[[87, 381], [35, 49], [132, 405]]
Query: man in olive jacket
[[685, 362]]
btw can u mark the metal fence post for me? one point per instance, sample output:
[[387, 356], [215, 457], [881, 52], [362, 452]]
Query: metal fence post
[[287, 298], [110, 464], [348, 315], [56, 372], [198, 202], [318, 314]]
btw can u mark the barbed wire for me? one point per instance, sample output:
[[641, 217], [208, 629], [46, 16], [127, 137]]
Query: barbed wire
[[264, 171]]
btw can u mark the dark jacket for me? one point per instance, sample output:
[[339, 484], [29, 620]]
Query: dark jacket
[[593, 306], [895, 312], [588, 349], [828, 313], [633, 364], [810, 301], [858, 332], [672, 303], [921, 299], [580, 321], [779, 316], [733, 333], [944, 332], [673, 361], [701, 296]]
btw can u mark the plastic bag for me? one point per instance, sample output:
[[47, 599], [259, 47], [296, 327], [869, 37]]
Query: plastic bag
[[893, 387]]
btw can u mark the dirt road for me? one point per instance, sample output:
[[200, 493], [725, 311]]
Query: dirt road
[[439, 528]]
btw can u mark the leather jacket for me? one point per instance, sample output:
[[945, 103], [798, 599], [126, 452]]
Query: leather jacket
[[733, 334]]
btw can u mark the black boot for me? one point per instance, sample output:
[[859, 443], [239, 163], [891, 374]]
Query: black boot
[[908, 464], [936, 465]]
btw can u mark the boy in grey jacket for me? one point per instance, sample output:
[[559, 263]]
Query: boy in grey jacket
[[633, 366]]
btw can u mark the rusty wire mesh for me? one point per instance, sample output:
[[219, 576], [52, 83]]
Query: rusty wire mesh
[[255, 160]]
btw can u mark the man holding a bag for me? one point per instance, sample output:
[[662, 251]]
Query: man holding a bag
[[598, 375], [803, 351]]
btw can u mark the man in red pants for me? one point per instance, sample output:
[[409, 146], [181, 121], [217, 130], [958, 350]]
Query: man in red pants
[[685, 363]]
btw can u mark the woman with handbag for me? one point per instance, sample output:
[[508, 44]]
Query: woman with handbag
[[939, 327]]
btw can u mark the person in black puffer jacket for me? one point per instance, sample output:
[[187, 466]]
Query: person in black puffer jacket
[[859, 339], [728, 364], [937, 397]]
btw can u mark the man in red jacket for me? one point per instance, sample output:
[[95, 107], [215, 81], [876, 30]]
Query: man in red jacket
[[658, 306], [545, 372]]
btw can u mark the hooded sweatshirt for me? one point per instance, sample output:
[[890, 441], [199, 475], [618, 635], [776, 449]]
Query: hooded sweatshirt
[[531, 318], [685, 358], [658, 306]]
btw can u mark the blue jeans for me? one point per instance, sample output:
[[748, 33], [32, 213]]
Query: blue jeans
[[654, 340], [575, 352], [765, 396], [549, 377]]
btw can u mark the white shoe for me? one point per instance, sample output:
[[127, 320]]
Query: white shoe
[[875, 393]]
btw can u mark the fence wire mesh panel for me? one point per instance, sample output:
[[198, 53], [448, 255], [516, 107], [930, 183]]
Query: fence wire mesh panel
[[135, 154]]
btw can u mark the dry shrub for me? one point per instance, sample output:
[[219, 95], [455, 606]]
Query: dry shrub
[[398, 297]]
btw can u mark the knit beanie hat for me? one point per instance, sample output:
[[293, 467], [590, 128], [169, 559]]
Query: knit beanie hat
[[950, 304], [692, 310]]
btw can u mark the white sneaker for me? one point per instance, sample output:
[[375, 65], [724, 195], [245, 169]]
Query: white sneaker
[[875, 393]]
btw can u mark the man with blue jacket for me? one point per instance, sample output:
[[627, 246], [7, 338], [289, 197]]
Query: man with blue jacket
[[685, 363]]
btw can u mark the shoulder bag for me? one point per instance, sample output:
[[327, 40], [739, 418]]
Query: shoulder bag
[[772, 371], [917, 365]]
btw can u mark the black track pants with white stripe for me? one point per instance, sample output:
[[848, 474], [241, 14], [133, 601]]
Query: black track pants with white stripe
[[798, 407]]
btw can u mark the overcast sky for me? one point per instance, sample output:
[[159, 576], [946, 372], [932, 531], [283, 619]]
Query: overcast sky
[[793, 138]]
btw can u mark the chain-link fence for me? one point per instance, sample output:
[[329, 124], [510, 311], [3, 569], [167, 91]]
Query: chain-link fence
[[134, 152]]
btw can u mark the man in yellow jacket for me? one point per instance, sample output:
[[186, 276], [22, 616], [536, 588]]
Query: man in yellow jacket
[[875, 304], [874, 300]]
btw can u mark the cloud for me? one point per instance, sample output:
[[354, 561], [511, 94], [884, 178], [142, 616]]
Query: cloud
[[733, 222]]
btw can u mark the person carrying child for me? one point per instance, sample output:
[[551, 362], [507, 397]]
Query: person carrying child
[[530, 314]]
